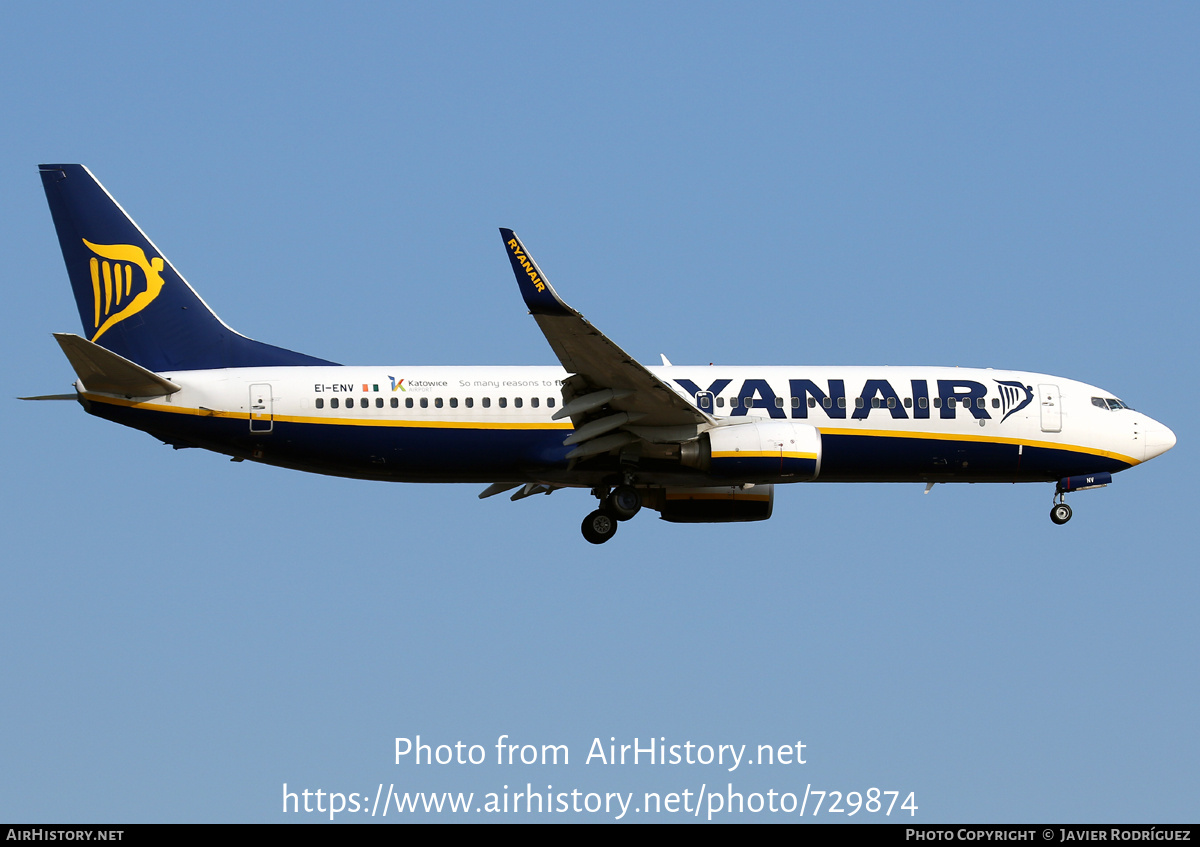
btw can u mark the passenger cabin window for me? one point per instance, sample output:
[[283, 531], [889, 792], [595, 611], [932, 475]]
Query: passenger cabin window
[[549, 402], [533, 401], [453, 402], [517, 402], [333, 402], [408, 402], [470, 402], [424, 402], [395, 402], [503, 402], [437, 401], [487, 402], [320, 403], [378, 402]]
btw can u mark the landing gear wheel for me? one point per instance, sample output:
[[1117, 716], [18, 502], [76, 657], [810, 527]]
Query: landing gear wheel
[[1060, 513], [624, 502], [599, 526]]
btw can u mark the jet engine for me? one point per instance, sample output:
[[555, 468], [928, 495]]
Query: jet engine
[[757, 451], [721, 504]]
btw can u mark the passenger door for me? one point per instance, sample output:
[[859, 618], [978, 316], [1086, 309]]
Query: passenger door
[[1051, 406], [261, 413]]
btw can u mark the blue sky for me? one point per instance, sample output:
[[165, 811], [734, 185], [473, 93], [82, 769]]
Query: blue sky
[[1007, 185]]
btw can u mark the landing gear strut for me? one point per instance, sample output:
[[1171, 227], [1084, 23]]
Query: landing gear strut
[[621, 504]]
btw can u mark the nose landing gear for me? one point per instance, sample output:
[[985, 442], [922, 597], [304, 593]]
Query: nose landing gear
[[1060, 513]]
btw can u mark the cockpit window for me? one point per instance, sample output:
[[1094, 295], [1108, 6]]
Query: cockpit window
[[1110, 404]]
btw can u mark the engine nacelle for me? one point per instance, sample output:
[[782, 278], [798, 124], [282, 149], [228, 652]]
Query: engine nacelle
[[758, 451], [723, 504]]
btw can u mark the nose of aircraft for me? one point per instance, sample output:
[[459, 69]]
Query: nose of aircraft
[[1159, 439]]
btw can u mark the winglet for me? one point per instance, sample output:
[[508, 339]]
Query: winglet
[[539, 296]]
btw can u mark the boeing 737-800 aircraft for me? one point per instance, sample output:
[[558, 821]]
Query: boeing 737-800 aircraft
[[696, 444]]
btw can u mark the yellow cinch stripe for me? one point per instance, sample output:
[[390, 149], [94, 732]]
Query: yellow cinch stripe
[[983, 439], [219, 413], [760, 454], [422, 424]]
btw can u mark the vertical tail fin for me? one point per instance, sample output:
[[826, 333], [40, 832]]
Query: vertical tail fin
[[131, 300]]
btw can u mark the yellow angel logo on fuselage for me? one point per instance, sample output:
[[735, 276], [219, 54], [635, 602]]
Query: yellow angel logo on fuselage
[[112, 283]]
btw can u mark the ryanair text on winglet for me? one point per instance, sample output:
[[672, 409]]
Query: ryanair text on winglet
[[515, 246]]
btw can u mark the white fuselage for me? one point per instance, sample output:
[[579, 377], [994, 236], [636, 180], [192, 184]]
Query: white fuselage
[[937, 423]]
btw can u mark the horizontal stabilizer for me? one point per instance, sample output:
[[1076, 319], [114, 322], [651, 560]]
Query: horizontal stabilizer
[[104, 371]]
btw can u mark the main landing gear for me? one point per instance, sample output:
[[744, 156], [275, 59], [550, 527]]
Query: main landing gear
[[621, 504]]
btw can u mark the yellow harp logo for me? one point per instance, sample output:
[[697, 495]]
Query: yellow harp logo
[[113, 283]]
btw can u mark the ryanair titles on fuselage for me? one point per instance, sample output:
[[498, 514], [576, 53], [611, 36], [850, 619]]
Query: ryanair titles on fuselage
[[876, 394], [836, 398]]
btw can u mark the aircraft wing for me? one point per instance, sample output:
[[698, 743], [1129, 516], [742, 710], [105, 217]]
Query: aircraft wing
[[605, 379]]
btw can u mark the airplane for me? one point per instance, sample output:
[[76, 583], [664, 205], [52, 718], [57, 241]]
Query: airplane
[[696, 444]]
